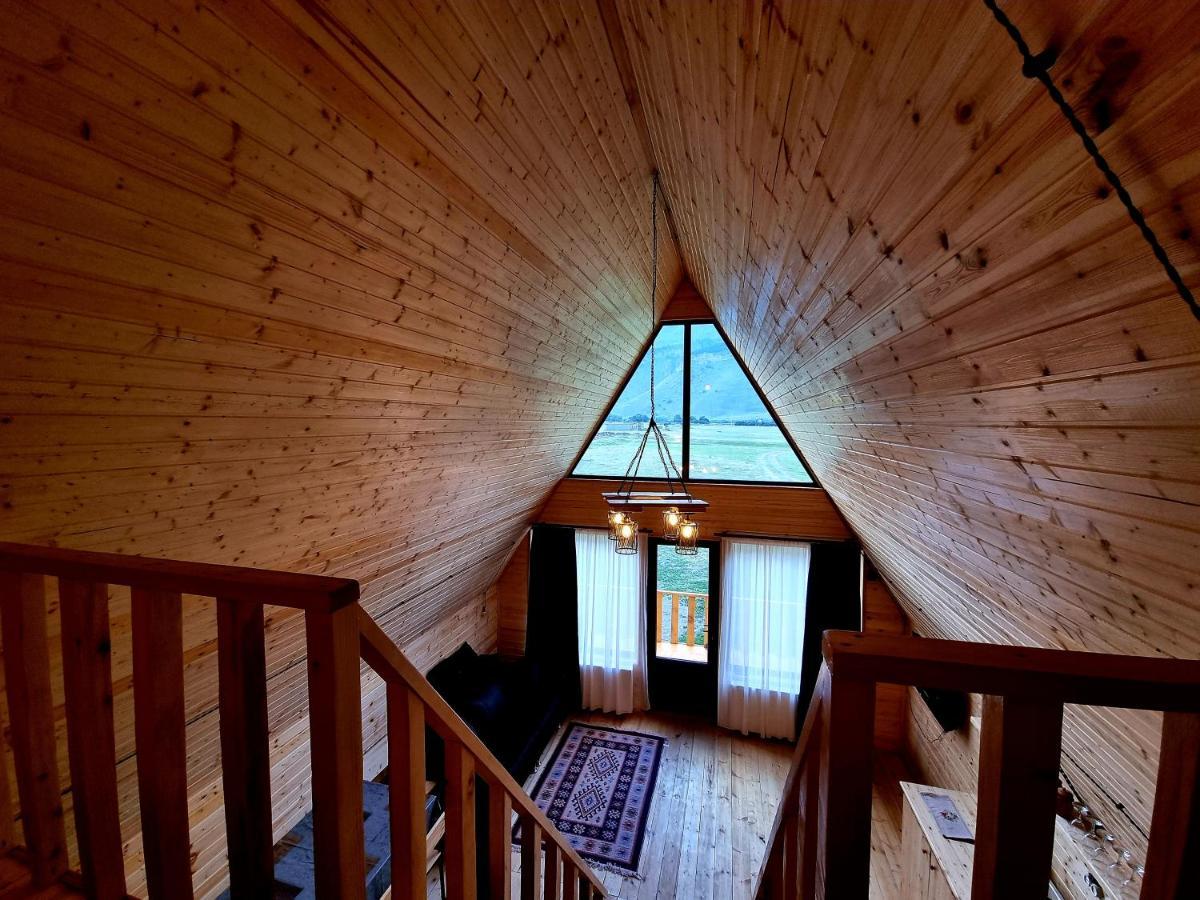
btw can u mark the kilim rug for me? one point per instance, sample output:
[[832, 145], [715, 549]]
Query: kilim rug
[[597, 790]]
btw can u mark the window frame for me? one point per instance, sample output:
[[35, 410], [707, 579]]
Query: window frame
[[686, 462]]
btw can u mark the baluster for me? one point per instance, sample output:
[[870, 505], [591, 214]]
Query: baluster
[[674, 618], [658, 617], [91, 742], [844, 850], [245, 751], [791, 855], [1020, 745], [335, 739], [499, 841], [1175, 827], [406, 789], [691, 620], [553, 878], [160, 734], [774, 874], [460, 822], [531, 858], [31, 722], [807, 805], [570, 880], [8, 824], [706, 605]]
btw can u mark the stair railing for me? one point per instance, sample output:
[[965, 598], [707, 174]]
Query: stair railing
[[338, 634], [820, 844], [550, 867]]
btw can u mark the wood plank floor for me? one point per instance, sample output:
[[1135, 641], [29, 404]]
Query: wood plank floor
[[714, 805], [15, 881]]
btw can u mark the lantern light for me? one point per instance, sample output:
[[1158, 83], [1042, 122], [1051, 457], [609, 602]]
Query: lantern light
[[627, 533], [671, 519], [689, 532], [616, 518]]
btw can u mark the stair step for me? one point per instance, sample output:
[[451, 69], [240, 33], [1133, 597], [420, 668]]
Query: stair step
[[294, 869]]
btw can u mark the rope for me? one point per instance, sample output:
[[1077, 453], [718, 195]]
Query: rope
[[664, 451], [1037, 66], [653, 280]]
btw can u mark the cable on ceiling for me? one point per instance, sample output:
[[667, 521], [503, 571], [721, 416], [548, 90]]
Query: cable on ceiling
[[1038, 66]]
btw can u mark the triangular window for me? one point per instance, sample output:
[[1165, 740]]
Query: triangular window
[[716, 423]]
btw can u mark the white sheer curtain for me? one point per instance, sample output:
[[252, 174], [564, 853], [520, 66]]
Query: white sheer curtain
[[612, 623], [764, 589]]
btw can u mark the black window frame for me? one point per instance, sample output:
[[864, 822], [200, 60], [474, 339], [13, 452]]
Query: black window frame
[[686, 462]]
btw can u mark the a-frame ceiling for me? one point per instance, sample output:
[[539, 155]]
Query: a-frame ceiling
[[949, 308], [942, 298], [345, 286]]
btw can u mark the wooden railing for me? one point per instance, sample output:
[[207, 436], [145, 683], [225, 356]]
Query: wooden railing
[[820, 844], [338, 635], [695, 626], [550, 867]]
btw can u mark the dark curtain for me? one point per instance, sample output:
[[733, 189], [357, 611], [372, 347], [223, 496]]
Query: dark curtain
[[833, 602], [552, 628]]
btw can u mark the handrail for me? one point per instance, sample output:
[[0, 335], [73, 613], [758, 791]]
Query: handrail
[[806, 743], [339, 634], [390, 663], [819, 846], [1089, 679], [157, 588], [319, 593]]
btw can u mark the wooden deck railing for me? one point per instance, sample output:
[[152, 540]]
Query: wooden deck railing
[[695, 625], [338, 633], [820, 843]]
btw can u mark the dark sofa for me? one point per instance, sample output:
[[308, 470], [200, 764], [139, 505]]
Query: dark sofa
[[513, 705]]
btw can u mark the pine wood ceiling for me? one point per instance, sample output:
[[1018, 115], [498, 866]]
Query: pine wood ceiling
[[951, 311], [323, 288], [343, 286]]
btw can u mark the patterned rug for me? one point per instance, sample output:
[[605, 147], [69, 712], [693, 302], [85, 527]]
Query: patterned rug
[[597, 790]]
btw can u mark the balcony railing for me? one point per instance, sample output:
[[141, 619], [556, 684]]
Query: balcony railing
[[686, 639]]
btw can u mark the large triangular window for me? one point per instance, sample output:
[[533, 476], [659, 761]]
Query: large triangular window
[[717, 425]]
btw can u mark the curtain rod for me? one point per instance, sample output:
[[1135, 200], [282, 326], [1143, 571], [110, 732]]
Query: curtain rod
[[759, 536], [756, 535]]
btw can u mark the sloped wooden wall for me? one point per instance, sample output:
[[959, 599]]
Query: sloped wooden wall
[[952, 312], [338, 288]]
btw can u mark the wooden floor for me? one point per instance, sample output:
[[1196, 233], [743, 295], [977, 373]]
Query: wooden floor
[[16, 882], [714, 805]]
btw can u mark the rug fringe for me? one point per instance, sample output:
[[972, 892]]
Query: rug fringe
[[612, 868]]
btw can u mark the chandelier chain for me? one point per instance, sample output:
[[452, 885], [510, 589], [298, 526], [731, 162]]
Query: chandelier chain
[[653, 279]]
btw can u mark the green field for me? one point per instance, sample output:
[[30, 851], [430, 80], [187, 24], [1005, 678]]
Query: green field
[[719, 453], [686, 575]]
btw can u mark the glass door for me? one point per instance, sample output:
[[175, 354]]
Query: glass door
[[682, 618]]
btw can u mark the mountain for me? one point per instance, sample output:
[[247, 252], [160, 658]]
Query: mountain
[[720, 389]]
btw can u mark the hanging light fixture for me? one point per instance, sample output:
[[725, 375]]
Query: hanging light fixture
[[671, 519], [677, 503], [627, 533], [689, 532], [616, 519]]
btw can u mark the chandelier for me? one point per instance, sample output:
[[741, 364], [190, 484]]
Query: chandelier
[[676, 504]]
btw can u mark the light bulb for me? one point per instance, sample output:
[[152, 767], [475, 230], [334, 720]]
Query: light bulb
[[615, 520], [671, 520], [689, 531]]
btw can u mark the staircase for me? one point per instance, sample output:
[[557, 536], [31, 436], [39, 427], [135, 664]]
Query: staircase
[[820, 844], [339, 636]]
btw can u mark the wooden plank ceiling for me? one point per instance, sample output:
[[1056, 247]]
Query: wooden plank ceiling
[[342, 287], [950, 309], [329, 288]]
